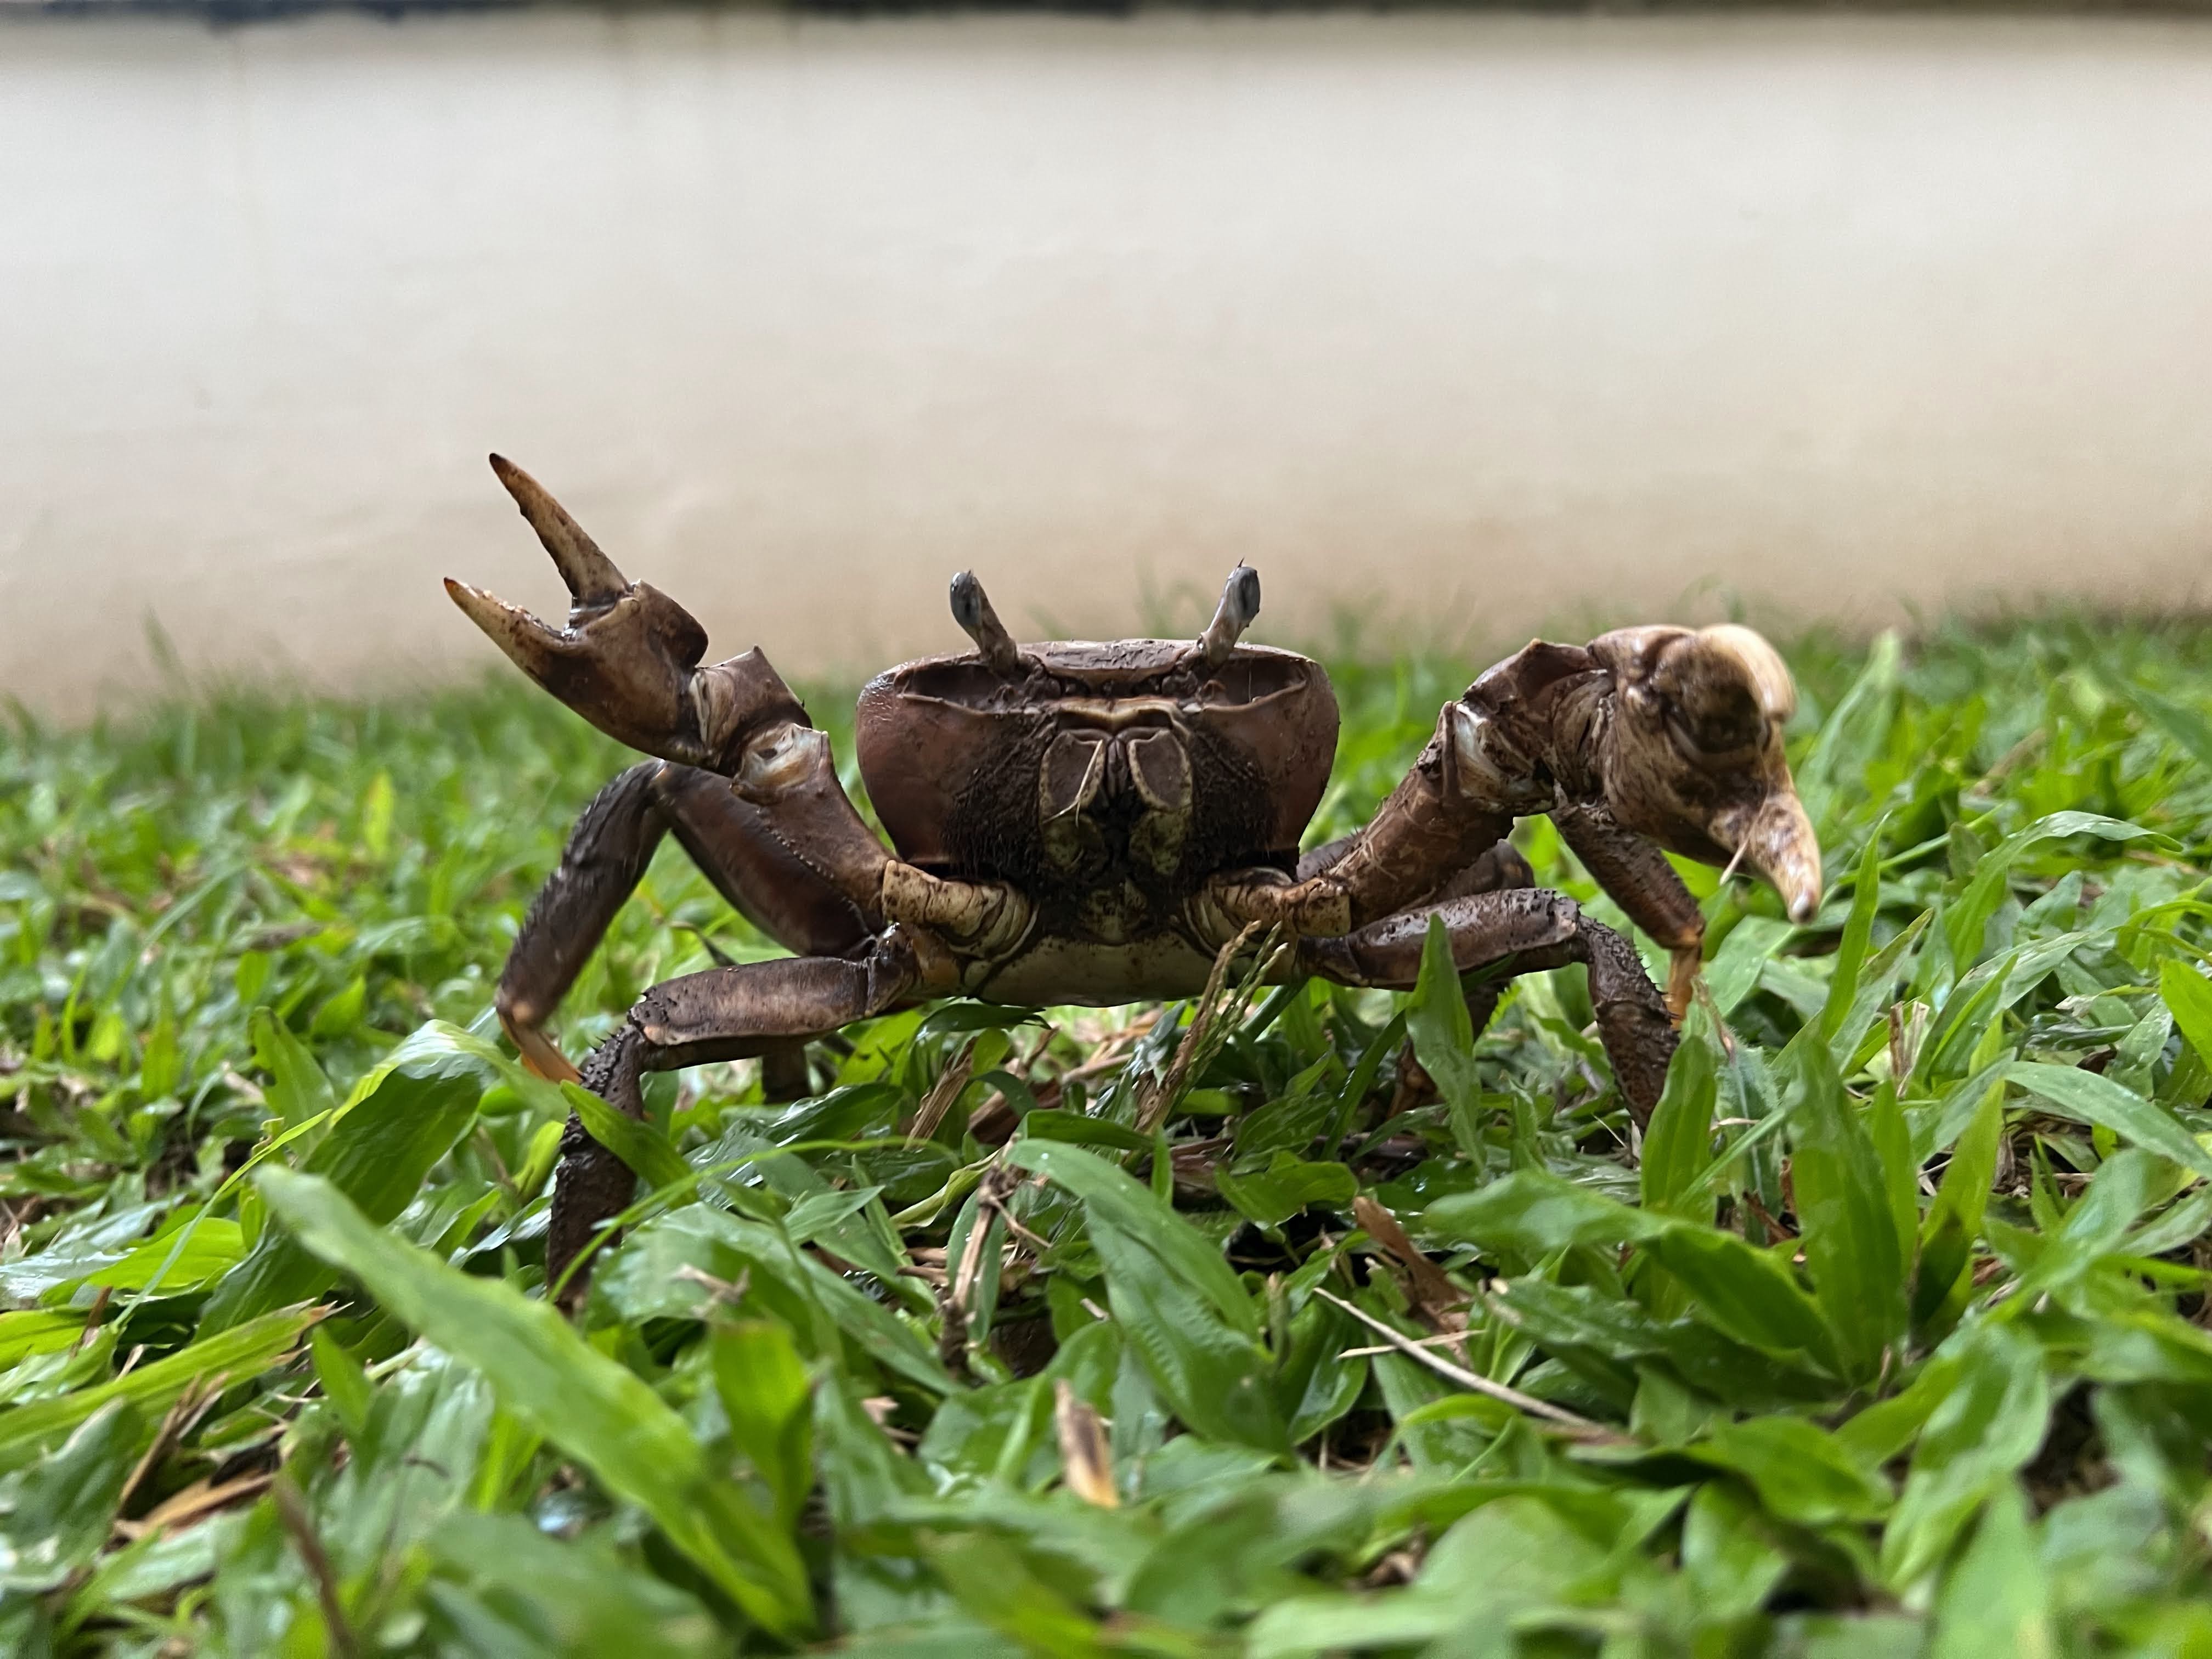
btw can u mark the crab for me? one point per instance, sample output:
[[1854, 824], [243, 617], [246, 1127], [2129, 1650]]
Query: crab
[[1084, 822]]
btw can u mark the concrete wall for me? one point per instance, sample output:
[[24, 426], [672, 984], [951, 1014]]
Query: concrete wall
[[1473, 322]]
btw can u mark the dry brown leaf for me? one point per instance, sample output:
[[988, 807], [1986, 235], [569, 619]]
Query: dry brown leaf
[[1439, 1303], [193, 1503], [1086, 1457]]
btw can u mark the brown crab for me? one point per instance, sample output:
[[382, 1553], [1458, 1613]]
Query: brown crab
[[1082, 822]]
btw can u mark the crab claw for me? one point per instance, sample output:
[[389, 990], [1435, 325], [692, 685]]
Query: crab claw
[[1240, 603], [628, 659], [1694, 759]]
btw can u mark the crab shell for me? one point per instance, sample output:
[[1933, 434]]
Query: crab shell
[[978, 773]]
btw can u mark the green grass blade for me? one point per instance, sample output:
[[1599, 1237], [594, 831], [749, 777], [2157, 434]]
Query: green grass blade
[[590, 1406], [241, 1351]]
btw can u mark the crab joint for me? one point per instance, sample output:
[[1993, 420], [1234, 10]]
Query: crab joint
[[971, 609], [1240, 603], [1318, 908], [987, 918]]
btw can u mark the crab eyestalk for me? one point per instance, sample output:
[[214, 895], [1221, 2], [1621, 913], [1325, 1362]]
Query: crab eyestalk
[[971, 609], [1240, 604]]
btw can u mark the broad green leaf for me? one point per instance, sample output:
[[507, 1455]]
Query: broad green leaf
[[1216, 1377], [243, 1351], [1858, 934], [1954, 1219], [1313, 1387], [215, 1247], [1514, 1553], [501, 1587], [38, 1331], [1740, 1291], [1900, 1171], [642, 1281], [1734, 972], [590, 1406], [1678, 1143], [766, 1395], [1985, 1428], [1564, 1318], [2184, 725], [1853, 732], [1995, 1602], [1112, 1196], [1746, 1293], [1534, 1213], [1050, 1124], [56, 1513], [1843, 1208], [2121, 1190], [997, 1587], [345, 1384], [400, 1120], [1269, 1197], [1444, 1035], [1800, 1471], [2188, 996], [1729, 1556], [297, 1088], [2099, 1100], [1965, 921]]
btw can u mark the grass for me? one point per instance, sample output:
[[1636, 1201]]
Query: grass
[[1889, 1338]]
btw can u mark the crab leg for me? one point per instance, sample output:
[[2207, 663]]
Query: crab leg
[[725, 1013], [1640, 881], [735, 843], [1498, 867], [1519, 930]]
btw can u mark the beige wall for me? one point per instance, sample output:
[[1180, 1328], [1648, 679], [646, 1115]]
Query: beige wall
[[1472, 321]]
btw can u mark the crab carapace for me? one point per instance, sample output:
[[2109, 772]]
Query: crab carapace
[[1093, 823]]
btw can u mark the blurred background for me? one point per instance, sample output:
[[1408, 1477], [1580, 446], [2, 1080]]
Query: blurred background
[[1457, 324]]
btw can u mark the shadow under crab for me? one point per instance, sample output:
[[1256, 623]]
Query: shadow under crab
[[1094, 822]]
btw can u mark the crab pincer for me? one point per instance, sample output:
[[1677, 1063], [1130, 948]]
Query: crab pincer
[[627, 660]]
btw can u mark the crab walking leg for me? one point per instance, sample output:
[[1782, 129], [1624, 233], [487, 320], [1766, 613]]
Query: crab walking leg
[[605, 859], [725, 1013], [735, 844], [1640, 881], [1498, 867], [1521, 930]]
